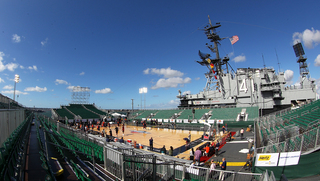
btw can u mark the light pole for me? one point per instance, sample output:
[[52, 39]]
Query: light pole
[[16, 80], [132, 107]]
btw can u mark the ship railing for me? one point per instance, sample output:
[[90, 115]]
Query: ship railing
[[294, 87]]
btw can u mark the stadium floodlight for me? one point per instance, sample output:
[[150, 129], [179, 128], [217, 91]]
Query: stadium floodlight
[[143, 90], [16, 80]]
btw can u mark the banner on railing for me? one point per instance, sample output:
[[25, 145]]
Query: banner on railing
[[267, 160], [194, 121], [219, 121], [185, 121], [211, 121], [289, 158], [160, 120]]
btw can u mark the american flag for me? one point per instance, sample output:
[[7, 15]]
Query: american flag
[[234, 39]]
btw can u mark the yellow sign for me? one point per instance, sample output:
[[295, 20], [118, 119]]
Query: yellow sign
[[264, 157]]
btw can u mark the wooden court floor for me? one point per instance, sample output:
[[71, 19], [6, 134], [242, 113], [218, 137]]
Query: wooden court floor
[[167, 137]]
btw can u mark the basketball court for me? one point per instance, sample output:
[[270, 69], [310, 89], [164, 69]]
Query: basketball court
[[161, 136]]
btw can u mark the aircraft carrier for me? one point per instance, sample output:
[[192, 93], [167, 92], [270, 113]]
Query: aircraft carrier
[[247, 87]]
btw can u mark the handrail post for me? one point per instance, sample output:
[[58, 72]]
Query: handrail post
[[93, 160], [123, 167], [315, 144], [184, 172], [207, 174], [301, 143], [45, 144]]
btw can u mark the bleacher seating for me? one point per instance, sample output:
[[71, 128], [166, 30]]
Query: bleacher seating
[[200, 112], [11, 151], [94, 109], [146, 114], [232, 113], [64, 113], [78, 109], [165, 114], [186, 114], [291, 127]]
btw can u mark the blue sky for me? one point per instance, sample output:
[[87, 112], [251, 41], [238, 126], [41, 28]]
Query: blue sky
[[117, 47]]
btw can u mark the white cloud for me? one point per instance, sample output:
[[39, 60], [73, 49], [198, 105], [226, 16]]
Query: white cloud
[[12, 66], [288, 75], [310, 38], [58, 81], [8, 87], [171, 82], [171, 78], [22, 67], [10, 92], [44, 42], [1, 80], [240, 58], [317, 61], [103, 91], [197, 78], [318, 85], [35, 89], [2, 67], [33, 68], [186, 92], [16, 38], [82, 73], [165, 72]]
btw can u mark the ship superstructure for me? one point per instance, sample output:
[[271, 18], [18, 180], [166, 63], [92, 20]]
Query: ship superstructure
[[247, 87]]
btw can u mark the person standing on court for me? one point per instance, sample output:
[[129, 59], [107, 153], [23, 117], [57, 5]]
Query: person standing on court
[[223, 166], [212, 168], [151, 144], [241, 133], [110, 133], [117, 129], [171, 151], [163, 150], [217, 148], [197, 155], [191, 154]]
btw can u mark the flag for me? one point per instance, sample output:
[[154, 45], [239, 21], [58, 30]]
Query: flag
[[234, 39]]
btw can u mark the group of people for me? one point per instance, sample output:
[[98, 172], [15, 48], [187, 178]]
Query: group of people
[[208, 150], [163, 150]]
